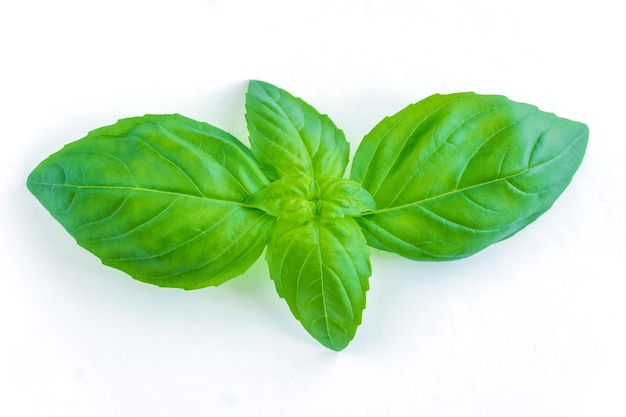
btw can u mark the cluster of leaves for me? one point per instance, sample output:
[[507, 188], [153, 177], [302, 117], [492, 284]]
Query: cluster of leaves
[[180, 203]]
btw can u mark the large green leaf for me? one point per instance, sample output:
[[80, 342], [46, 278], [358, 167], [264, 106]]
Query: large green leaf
[[159, 197], [321, 268], [290, 138], [455, 173]]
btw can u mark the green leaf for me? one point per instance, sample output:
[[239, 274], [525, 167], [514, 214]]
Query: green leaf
[[321, 268], [301, 197], [159, 197], [343, 197], [455, 173], [290, 138], [290, 198]]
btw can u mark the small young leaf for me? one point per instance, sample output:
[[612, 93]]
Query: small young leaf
[[301, 197], [159, 197], [343, 197], [321, 268], [455, 173], [289, 137], [289, 198]]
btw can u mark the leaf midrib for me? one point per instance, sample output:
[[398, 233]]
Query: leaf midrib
[[460, 190], [143, 189]]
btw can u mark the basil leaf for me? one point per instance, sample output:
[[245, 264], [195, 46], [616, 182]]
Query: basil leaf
[[455, 173], [321, 268], [289, 137], [159, 197], [301, 198], [290, 198], [343, 197]]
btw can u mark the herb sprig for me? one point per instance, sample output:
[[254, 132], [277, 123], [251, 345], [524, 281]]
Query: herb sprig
[[180, 203]]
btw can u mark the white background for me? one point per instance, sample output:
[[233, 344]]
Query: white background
[[533, 326]]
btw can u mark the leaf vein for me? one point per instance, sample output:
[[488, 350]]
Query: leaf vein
[[104, 219], [224, 250], [418, 168], [137, 227], [173, 248], [173, 163], [405, 142]]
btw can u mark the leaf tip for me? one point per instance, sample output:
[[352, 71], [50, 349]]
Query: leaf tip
[[258, 85]]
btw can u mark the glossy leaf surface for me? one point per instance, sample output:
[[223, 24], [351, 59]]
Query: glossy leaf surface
[[290, 138], [455, 173], [321, 268], [159, 197]]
